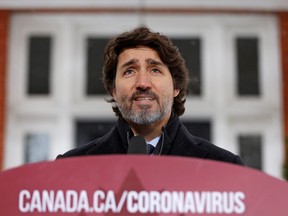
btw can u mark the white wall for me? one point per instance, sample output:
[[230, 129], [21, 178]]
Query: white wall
[[208, 4], [230, 116]]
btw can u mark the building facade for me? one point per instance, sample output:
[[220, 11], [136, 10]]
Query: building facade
[[52, 99]]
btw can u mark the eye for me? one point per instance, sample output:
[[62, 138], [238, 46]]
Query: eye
[[128, 72], [155, 70]]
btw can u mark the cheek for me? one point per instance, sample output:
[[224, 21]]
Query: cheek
[[168, 89], [120, 91], [167, 92]]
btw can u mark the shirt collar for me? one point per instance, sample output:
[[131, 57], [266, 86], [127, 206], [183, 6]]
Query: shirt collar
[[154, 141]]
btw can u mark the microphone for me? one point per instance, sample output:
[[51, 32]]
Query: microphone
[[137, 145]]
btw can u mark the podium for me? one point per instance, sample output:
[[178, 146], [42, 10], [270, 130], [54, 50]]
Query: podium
[[136, 185]]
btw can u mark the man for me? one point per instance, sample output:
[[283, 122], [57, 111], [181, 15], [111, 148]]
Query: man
[[147, 79]]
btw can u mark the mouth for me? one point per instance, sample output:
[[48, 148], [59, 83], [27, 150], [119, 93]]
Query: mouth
[[143, 98]]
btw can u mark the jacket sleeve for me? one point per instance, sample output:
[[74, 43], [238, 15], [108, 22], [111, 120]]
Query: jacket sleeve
[[238, 160]]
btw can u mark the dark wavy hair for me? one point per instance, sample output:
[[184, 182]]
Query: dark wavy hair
[[167, 51]]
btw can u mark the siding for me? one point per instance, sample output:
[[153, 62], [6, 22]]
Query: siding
[[283, 18], [4, 22]]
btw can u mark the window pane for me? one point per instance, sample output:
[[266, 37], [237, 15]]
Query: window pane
[[36, 147], [89, 130], [95, 49], [251, 150], [247, 67], [39, 65], [190, 49], [199, 128]]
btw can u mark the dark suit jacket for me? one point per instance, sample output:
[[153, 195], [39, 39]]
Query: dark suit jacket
[[175, 140]]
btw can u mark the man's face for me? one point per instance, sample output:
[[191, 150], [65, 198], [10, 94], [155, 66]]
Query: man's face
[[144, 89]]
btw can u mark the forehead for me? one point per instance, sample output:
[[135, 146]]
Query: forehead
[[139, 53]]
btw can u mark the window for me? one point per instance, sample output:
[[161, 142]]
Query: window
[[36, 147], [39, 65], [89, 130], [247, 67], [95, 49], [199, 128], [251, 150], [190, 49]]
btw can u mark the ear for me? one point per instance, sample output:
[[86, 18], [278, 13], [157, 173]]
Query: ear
[[114, 94], [176, 92]]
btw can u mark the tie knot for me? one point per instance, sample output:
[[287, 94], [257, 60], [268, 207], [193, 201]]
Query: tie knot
[[150, 148]]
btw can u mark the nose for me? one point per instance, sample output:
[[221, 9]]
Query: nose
[[143, 80]]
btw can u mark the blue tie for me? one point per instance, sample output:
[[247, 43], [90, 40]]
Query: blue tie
[[150, 148]]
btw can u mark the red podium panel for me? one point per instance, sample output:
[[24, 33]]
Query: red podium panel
[[126, 185]]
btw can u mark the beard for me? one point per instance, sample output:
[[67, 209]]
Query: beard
[[145, 115]]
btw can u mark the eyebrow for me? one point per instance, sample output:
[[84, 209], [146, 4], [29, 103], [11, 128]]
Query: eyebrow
[[150, 61], [131, 62]]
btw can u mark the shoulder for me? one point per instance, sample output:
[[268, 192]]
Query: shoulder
[[208, 149], [86, 149], [218, 153], [81, 150]]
